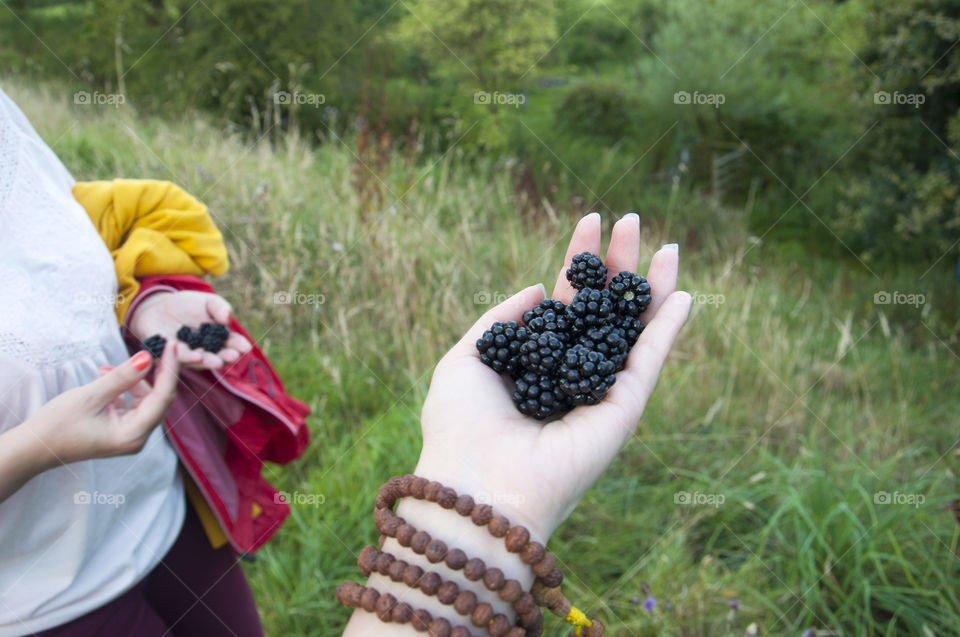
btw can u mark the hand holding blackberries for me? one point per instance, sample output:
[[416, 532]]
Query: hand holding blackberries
[[166, 313]]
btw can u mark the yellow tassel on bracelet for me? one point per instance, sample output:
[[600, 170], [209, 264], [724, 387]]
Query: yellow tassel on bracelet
[[577, 619]]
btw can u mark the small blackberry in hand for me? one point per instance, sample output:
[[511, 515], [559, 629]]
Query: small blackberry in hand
[[541, 307], [541, 353], [631, 294], [213, 336], [609, 341], [589, 308], [550, 320], [154, 345], [587, 271], [499, 347], [630, 328], [537, 395], [192, 338], [585, 376]]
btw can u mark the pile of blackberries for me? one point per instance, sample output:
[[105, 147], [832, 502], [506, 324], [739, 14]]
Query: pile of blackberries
[[209, 336], [563, 356]]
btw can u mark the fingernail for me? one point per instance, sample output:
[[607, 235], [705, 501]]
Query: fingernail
[[140, 360], [597, 214], [543, 289], [632, 216], [106, 368], [671, 246], [176, 349]]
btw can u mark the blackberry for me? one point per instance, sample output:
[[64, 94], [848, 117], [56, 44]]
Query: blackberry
[[630, 328], [609, 341], [499, 347], [589, 308], [631, 294], [541, 307], [547, 316], [585, 376], [541, 353], [587, 271], [192, 338], [537, 395], [213, 336], [154, 345]]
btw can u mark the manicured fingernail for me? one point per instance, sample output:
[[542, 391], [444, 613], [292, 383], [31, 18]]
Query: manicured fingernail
[[671, 246], [106, 368], [176, 349], [543, 289], [140, 360], [632, 216]]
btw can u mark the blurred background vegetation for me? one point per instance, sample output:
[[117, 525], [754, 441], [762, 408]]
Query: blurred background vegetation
[[414, 161]]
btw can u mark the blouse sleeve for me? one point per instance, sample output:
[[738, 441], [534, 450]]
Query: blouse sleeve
[[151, 228]]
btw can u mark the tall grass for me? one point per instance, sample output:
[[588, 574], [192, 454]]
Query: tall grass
[[790, 405]]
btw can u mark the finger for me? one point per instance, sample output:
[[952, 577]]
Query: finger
[[662, 277], [152, 407], [188, 356], [624, 251], [120, 379], [613, 420], [510, 310], [239, 343], [229, 355], [103, 370], [219, 309], [586, 238], [140, 390], [211, 361]]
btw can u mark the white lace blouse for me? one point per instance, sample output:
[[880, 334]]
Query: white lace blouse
[[75, 537]]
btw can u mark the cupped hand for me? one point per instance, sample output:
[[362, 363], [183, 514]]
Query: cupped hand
[[111, 416], [165, 312], [476, 441]]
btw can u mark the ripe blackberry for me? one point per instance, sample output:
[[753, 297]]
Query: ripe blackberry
[[585, 376], [589, 308], [587, 271], [499, 347], [192, 338], [630, 328], [213, 336], [154, 345], [537, 395], [631, 294], [609, 341], [541, 353], [549, 320], [541, 307]]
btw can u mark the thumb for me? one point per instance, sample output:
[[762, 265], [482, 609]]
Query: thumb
[[121, 378]]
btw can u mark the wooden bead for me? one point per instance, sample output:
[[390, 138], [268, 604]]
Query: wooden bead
[[544, 566], [405, 533], [481, 514], [455, 559], [396, 569], [532, 553], [448, 592], [436, 551], [554, 578], [368, 600], [419, 542], [463, 505], [493, 579], [387, 495], [382, 565], [381, 540], [417, 487], [511, 591], [403, 485], [465, 602], [348, 593], [430, 583], [402, 613], [431, 493], [439, 627], [595, 629], [499, 626], [447, 498], [524, 603], [516, 631], [482, 615], [517, 538], [387, 522], [498, 526], [384, 606], [367, 559], [411, 575], [532, 620], [474, 569], [460, 631], [421, 619]]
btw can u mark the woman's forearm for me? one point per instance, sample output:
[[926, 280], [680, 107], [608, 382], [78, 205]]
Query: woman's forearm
[[23, 455]]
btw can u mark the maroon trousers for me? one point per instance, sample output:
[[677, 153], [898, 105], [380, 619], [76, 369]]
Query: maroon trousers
[[195, 590]]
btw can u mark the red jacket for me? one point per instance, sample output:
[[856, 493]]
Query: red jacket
[[224, 424]]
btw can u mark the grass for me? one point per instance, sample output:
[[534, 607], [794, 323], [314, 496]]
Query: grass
[[791, 397]]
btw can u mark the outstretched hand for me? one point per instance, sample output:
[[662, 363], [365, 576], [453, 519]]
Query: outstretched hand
[[476, 441]]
